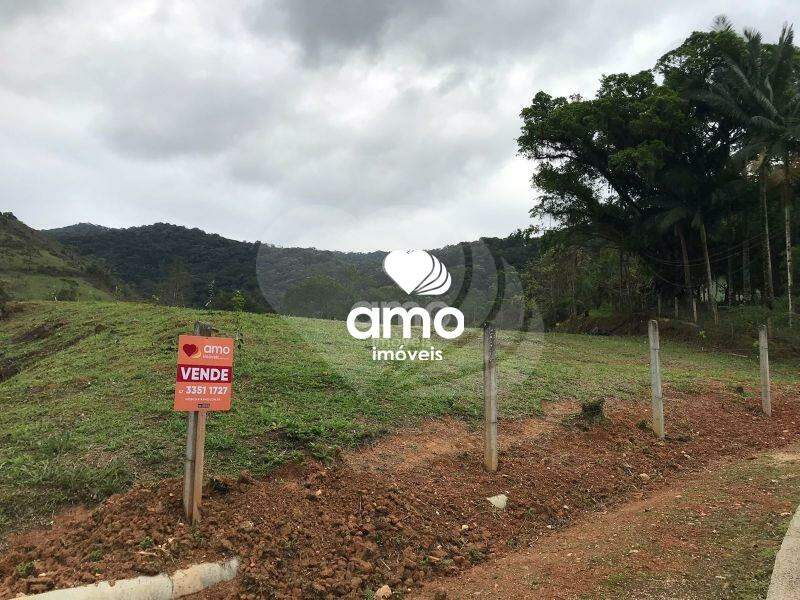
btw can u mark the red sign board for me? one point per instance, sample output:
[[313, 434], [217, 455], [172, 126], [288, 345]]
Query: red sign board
[[205, 373]]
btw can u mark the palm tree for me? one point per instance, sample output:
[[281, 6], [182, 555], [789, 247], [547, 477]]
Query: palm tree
[[759, 90], [777, 130], [677, 216]]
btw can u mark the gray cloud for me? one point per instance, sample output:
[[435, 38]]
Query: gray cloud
[[326, 27], [166, 111], [348, 124], [12, 10]]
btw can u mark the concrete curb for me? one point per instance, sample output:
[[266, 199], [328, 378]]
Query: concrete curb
[[160, 587], [785, 581]]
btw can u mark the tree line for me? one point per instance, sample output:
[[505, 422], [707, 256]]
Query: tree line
[[671, 184], [178, 266]]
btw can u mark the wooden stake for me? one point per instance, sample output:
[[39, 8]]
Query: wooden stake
[[655, 379], [763, 353], [188, 468], [199, 464], [490, 397], [195, 451]]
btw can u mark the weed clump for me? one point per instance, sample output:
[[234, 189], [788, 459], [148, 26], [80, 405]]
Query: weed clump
[[592, 410], [591, 414], [25, 569]]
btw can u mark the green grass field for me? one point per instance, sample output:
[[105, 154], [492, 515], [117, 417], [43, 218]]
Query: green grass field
[[87, 399]]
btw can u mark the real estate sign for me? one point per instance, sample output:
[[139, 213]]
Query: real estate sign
[[205, 373]]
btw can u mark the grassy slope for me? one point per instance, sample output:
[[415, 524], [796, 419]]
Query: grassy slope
[[90, 410], [34, 267], [40, 286]]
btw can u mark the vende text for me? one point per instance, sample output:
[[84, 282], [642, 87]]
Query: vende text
[[202, 373]]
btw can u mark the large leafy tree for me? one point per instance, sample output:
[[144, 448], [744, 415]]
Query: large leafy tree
[[776, 127], [594, 157], [664, 169], [628, 165]]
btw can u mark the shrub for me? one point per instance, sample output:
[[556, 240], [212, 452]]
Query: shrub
[[592, 410], [4, 298], [67, 293]]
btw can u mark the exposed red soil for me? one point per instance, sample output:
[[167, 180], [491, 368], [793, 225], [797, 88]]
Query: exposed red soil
[[675, 536], [442, 438], [317, 531]]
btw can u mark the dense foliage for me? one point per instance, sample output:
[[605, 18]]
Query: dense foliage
[[4, 298], [679, 171], [175, 265], [188, 267]]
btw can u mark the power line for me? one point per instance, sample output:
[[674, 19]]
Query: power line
[[682, 286], [720, 256], [717, 256]]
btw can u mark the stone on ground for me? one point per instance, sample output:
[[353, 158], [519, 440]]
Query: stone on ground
[[498, 501]]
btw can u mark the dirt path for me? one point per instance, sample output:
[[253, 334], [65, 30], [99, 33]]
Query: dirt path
[[711, 534], [407, 510], [406, 451]]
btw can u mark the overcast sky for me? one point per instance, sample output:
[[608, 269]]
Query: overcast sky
[[348, 124]]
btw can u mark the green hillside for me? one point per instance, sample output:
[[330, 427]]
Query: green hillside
[[34, 266], [87, 392]]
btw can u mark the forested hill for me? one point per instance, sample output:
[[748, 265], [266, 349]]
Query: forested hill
[[164, 260], [189, 267], [34, 266]]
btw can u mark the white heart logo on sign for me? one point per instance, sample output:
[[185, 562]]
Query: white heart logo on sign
[[417, 272]]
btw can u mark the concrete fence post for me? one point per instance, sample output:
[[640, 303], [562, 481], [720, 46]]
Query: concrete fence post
[[490, 397], [763, 355], [657, 401]]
